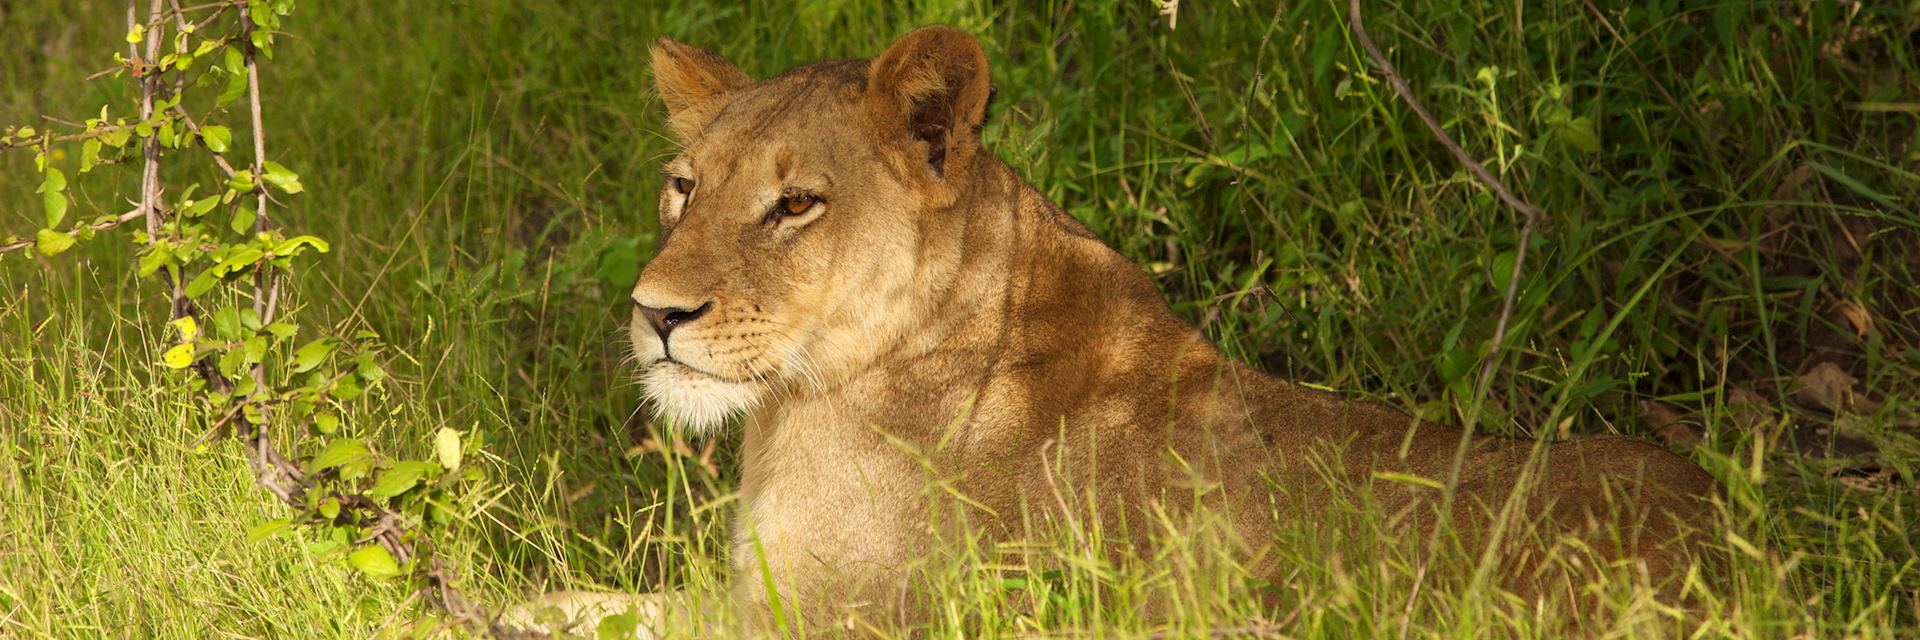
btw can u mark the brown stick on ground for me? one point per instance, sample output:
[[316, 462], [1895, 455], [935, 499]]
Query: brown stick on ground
[[1533, 217]]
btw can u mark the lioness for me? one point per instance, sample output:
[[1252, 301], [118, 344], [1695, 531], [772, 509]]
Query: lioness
[[843, 266]]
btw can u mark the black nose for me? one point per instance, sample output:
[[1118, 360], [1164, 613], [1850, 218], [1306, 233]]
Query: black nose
[[664, 320]]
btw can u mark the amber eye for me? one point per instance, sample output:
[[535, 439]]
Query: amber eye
[[682, 185], [796, 205]]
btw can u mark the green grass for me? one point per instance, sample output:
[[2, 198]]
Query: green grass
[[1731, 188]]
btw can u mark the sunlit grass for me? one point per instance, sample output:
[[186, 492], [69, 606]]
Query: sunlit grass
[[487, 174]]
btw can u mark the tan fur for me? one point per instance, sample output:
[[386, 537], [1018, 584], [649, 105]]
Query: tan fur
[[921, 335]]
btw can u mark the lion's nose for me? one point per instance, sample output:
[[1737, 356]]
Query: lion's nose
[[664, 320]]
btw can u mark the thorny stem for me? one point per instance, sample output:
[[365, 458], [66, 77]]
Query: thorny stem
[[273, 471]]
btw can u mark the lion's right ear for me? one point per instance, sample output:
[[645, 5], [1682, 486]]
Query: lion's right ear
[[693, 83]]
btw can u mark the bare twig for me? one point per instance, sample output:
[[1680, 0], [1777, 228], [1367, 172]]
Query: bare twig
[[1400, 87], [103, 225], [68, 137], [1532, 217], [150, 174]]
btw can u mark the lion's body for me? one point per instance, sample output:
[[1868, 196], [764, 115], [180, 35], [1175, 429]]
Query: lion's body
[[929, 331]]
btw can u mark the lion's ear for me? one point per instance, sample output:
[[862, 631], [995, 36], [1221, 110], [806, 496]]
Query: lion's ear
[[692, 82], [931, 89]]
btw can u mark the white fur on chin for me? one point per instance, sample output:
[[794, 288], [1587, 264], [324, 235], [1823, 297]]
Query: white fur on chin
[[696, 401]]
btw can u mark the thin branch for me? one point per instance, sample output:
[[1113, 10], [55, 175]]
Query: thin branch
[[150, 173], [1532, 217], [69, 137], [103, 225], [1534, 214]]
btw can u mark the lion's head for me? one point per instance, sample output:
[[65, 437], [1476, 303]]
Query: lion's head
[[799, 217]]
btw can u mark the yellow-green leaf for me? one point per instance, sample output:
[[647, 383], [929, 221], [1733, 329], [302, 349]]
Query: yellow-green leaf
[[282, 178], [267, 529], [374, 561], [217, 137], [340, 451], [447, 444], [52, 243], [53, 194], [189, 329], [311, 355], [179, 357], [400, 478]]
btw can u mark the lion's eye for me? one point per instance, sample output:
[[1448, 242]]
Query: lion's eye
[[682, 185], [796, 205]]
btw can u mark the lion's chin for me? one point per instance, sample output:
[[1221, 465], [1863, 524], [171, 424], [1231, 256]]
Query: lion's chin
[[695, 400]]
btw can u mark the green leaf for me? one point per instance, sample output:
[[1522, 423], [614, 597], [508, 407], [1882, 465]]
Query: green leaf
[[262, 42], [279, 176], [137, 34], [202, 283], [242, 181], [374, 561], [1503, 270], [620, 264], [1579, 134], [1455, 364], [339, 451], [239, 260], [292, 246], [326, 423], [89, 154], [446, 443], [403, 476], [55, 203], [236, 85], [52, 243], [232, 362], [116, 138], [282, 330], [243, 219], [52, 190], [329, 508], [617, 626], [155, 257], [312, 354], [179, 357], [197, 208], [369, 369], [217, 137], [267, 529], [255, 347]]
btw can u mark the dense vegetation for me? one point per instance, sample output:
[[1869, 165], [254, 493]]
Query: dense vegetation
[[1731, 264]]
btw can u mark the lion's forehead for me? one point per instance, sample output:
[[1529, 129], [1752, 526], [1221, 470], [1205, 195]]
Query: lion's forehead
[[810, 107]]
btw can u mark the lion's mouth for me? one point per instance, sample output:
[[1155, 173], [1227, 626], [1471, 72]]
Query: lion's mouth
[[672, 364]]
